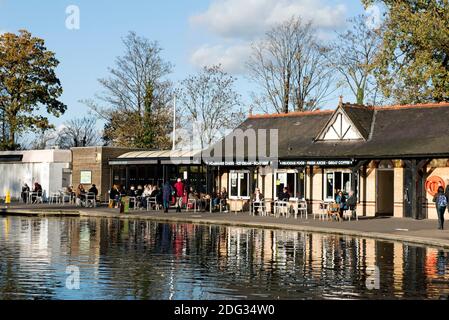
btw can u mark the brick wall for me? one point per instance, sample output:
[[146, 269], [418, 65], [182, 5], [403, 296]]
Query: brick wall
[[96, 160]]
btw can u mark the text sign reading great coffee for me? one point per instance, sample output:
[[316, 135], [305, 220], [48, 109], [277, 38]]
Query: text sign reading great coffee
[[316, 163]]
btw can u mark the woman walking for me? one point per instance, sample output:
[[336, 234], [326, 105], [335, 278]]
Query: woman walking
[[440, 200]]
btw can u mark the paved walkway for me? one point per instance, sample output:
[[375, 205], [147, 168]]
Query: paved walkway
[[396, 229]]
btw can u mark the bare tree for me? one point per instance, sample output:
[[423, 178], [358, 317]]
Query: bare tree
[[43, 139], [137, 94], [353, 55], [290, 67], [80, 132], [210, 103]]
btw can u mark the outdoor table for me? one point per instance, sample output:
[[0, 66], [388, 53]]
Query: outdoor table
[[293, 205], [324, 206], [233, 202], [55, 197], [279, 206]]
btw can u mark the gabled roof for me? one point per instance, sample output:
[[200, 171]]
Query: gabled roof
[[361, 117], [343, 125], [390, 132]]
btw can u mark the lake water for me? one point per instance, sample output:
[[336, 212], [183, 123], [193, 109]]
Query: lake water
[[42, 258]]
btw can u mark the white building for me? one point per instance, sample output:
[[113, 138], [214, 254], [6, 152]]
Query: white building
[[51, 168]]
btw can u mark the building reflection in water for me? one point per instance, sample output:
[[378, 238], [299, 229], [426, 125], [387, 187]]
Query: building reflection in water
[[133, 259]]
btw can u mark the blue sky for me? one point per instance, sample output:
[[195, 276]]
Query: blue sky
[[192, 33]]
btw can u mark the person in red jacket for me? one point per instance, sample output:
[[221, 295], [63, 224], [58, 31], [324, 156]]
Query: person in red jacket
[[179, 187]]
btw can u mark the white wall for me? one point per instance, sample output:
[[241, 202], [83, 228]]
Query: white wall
[[36, 166]]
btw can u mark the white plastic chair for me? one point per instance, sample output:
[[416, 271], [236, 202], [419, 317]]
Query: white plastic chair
[[302, 209]]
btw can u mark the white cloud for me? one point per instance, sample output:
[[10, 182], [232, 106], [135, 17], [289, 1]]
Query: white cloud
[[232, 58], [250, 18]]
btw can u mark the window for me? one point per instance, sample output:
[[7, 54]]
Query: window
[[337, 180], [293, 180], [239, 184]]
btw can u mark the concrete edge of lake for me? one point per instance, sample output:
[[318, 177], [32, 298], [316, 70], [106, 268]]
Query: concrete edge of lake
[[356, 229]]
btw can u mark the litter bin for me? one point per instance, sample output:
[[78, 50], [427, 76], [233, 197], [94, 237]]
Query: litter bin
[[124, 207]]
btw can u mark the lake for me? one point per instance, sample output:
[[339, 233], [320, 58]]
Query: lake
[[102, 258]]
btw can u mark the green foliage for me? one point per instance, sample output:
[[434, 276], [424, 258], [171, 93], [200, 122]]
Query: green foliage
[[27, 82], [413, 65]]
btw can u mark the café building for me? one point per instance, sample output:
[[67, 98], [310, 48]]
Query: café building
[[393, 158]]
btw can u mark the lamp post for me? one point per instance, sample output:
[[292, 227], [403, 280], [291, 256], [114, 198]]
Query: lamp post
[[174, 123]]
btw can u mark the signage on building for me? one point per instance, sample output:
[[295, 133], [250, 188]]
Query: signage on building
[[86, 177], [238, 163], [326, 163]]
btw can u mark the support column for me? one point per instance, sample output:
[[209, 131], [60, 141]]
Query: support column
[[126, 178], [310, 204], [251, 180], [413, 193]]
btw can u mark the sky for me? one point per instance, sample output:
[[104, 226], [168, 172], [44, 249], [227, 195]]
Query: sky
[[192, 33]]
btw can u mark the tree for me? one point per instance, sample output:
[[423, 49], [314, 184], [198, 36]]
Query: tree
[[210, 104], [413, 64], [27, 82], [290, 68], [44, 139], [80, 132], [138, 97], [353, 55]]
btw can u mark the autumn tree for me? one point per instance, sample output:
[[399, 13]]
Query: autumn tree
[[28, 83], [290, 68], [413, 64], [353, 55], [209, 104], [136, 97]]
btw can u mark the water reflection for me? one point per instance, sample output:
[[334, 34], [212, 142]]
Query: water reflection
[[132, 259]]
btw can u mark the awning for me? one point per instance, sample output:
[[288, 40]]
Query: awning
[[158, 156]]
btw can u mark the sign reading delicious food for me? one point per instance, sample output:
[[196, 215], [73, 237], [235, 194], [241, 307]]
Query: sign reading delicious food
[[316, 162], [86, 177]]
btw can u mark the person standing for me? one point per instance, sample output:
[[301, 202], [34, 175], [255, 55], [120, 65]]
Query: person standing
[[440, 200], [166, 195], [179, 188]]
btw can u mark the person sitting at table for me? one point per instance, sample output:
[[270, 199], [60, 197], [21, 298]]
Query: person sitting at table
[[284, 195], [132, 191], [94, 190], [80, 195], [205, 201], [25, 192], [352, 201], [122, 191], [341, 201], [37, 191], [257, 198]]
